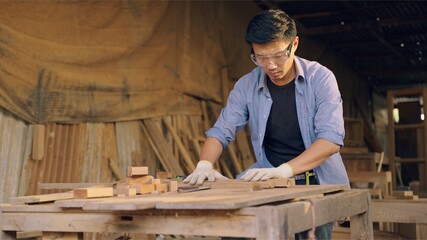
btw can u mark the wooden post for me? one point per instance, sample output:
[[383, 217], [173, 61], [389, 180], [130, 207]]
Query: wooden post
[[38, 142]]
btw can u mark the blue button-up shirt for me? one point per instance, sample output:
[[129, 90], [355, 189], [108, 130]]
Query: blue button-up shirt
[[319, 109]]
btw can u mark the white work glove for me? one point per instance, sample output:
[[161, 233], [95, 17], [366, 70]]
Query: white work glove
[[256, 174], [203, 171]]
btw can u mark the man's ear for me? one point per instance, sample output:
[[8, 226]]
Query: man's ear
[[295, 43]]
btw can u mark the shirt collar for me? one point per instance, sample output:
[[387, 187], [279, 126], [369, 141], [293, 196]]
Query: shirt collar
[[298, 70], [299, 74]]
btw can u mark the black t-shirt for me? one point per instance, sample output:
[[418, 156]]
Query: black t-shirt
[[283, 140]]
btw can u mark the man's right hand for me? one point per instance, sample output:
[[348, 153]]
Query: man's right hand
[[203, 171]]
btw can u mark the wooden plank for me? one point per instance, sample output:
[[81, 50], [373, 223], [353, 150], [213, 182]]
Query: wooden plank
[[234, 184], [30, 208], [233, 199], [13, 136], [399, 211], [185, 224], [207, 199], [82, 193], [240, 185], [63, 186], [29, 234], [41, 198]]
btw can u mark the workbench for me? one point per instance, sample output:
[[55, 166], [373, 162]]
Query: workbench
[[275, 213]]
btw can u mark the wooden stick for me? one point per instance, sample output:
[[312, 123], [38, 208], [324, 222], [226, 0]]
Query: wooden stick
[[160, 147], [183, 151], [116, 170]]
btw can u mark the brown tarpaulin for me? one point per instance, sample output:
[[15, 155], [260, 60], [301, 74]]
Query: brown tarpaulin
[[103, 61]]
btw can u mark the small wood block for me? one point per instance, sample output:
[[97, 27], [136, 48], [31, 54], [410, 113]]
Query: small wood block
[[146, 188], [147, 179], [282, 182], [161, 187], [131, 191], [125, 190], [157, 181], [83, 193], [137, 171], [137, 188], [266, 184], [173, 186], [164, 175]]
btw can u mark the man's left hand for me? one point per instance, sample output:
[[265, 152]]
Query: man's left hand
[[257, 174]]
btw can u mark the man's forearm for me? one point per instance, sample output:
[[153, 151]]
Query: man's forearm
[[313, 156], [211, 150]]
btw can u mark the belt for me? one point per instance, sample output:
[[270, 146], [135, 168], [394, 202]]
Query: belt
[[306, 178]]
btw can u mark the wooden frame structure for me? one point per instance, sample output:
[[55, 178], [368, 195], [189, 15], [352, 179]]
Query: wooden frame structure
[[267, 214], [420, 140]]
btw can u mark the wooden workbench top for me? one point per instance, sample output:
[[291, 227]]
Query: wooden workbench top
[[205, 199]]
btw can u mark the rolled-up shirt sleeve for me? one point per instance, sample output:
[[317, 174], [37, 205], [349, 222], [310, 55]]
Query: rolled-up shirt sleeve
[[233, 116], [328, 119]]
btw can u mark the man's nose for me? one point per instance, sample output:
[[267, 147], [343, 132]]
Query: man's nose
[[271, 64]]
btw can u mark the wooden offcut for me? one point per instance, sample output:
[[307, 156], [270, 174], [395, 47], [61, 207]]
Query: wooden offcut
[[146, 188], [147, 179], [137, 171], [83, 193]]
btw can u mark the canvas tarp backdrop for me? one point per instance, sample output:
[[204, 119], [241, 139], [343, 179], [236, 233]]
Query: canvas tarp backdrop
[[104, 61]]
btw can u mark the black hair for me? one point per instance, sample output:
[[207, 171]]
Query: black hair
[[270, 25]]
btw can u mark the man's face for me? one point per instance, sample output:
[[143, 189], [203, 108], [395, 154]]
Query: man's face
[[276, 59]]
